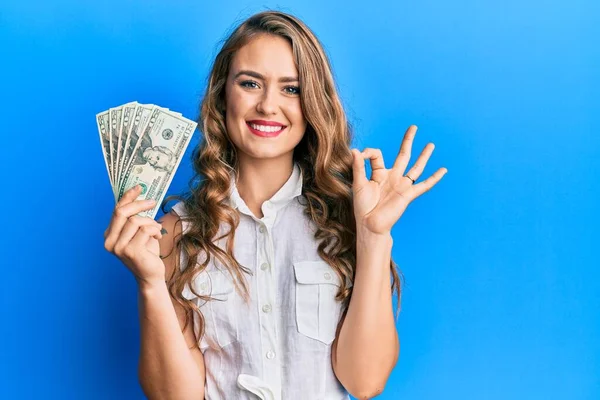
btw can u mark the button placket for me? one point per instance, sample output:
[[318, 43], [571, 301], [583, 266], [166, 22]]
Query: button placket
[[266, 296]]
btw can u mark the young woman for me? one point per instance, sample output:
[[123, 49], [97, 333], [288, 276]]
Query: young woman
[[299, 305]]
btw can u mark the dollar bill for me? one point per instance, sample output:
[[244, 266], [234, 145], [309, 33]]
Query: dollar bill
[[115, 122], [131, 141], [126, 123], [156, 156], [103, 130], [140, 118]]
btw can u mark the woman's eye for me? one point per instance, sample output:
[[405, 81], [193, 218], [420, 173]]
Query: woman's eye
[[293, 89], [249, 84]]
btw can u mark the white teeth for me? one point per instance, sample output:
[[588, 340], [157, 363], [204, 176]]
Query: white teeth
[[264, 128]]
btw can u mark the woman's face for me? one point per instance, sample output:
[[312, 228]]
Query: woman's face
[[263, 113]]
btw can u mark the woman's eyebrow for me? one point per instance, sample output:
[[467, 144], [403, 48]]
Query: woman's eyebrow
[[256, 75]]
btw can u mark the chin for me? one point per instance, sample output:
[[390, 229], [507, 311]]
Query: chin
[[266, 153]]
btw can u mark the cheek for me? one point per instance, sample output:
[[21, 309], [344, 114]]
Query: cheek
[[238, 104], [238, 108], [296, 116]]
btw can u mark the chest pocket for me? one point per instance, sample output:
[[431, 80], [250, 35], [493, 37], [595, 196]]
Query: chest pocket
[[317, 310], [220, 320]]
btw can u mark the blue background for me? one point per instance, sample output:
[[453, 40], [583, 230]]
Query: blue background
[[502, 299]]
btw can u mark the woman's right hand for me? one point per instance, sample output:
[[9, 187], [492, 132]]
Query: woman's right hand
[[134, 239]]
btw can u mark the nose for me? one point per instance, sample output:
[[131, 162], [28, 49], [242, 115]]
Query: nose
[[267, 104]]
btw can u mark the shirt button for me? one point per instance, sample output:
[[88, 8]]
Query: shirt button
[[262, 229], [203, 285], [270, 354], [264, 266], [327, 275], [266, 308]]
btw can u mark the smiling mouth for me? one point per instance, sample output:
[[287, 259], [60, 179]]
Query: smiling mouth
[[265, 130]]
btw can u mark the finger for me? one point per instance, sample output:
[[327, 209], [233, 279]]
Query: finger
[[404, 154], [130, 195], [428, 183], [378, 171], [358, 170], [134, 208], [417, 169], [141, 237], [119, 212], [120, 216], [134, 223]]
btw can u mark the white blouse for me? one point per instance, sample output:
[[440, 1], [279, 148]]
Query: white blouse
[[278, 346]]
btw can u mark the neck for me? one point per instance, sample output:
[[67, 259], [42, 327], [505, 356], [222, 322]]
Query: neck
[[260, 179]]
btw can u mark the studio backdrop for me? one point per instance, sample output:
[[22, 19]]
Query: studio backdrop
[[502, 285]]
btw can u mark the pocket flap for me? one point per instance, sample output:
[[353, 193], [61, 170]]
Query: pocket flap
[[315, 272]]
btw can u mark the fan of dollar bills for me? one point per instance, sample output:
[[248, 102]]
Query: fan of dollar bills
[[143, 144]]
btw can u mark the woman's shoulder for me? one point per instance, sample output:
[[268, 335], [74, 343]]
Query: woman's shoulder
[[171, 228], [172, 221], [179, 209]]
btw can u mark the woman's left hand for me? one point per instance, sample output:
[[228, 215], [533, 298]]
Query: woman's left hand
[[379, 202]]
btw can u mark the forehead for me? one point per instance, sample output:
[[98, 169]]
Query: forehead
[[269, 55]]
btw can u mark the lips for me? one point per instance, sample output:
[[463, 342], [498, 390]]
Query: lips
[[271, 130], [264, 123]]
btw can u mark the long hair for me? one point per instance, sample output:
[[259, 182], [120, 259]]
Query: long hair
[[323, 154]]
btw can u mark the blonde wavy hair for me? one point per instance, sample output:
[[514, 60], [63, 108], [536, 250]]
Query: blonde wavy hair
[[323, 154]]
